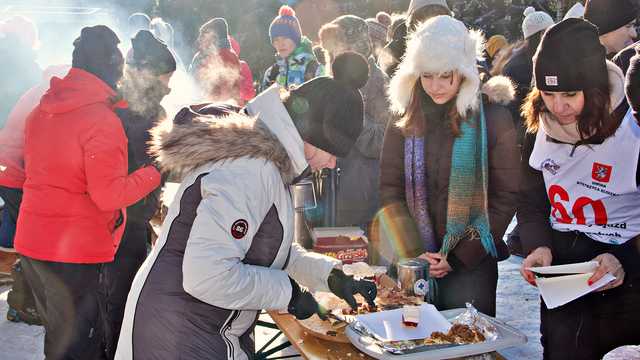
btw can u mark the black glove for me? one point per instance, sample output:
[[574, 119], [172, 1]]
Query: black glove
[[302, 304], [345, 287]]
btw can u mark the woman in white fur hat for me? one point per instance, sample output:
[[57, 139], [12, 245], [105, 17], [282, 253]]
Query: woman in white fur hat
[[452, 162]]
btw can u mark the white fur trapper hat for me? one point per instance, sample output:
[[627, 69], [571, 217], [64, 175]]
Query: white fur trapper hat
[[439, 45]]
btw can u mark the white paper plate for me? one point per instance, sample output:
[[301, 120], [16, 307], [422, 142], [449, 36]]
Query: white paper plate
[[387, 325], [577, 268]]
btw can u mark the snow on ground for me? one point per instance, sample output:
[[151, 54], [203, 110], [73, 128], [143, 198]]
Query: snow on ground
[[517, 305]]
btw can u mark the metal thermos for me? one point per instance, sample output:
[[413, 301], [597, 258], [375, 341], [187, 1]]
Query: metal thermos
[[304, 197], [330, 195], [412, 277]]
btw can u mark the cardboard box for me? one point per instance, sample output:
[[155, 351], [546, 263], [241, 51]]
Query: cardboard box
[[347, 244]]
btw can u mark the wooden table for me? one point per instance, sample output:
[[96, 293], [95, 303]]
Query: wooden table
[[309, 346], [312, 348]]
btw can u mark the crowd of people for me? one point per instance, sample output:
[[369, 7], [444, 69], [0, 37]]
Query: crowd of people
[[436, 130]]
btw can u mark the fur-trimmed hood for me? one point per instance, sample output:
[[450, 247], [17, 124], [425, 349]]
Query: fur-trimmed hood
[[616, 85], [499, 90], [267, 133], [182, 148], [439, 45]]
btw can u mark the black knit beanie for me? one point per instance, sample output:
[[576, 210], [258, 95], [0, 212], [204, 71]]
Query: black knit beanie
[[329, 112], [570, 58], [96, 51], [632, 83], [220, 28], [610, 15], [150, 53]]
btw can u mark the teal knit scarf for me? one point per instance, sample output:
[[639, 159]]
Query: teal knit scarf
[[467, 213]]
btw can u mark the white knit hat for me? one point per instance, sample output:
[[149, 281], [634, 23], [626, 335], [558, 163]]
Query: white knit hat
[[439, 45], [576, 11], [535, 21], [417, 4]]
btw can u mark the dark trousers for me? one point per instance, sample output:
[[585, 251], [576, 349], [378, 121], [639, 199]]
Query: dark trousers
[[591, 326], [476, 286], [69, 301], [119, 276]]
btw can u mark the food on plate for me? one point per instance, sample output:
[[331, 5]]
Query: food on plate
[[363, 308], [389, 299], [458, 334], [411, 316], [332, 330]]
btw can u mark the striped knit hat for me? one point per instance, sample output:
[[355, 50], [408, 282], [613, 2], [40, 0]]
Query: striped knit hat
[[286, 24]]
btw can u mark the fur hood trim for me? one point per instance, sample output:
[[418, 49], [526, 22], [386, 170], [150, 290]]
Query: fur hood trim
[[211, 139], [616, 85], [439, 45], [499, 90]]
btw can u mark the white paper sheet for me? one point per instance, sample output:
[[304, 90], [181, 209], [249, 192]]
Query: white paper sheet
[[387, 325], [577, 268], [557, 291]]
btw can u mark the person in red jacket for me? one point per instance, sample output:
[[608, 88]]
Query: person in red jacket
[[247, 91], [76, 190], [216, 67]]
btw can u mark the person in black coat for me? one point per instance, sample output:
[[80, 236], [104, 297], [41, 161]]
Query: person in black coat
[[150, 65], [520, 67], [418, 12]]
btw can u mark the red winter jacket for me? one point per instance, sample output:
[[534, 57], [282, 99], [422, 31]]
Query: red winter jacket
[[77, 186], [12, 134], [247, 91]]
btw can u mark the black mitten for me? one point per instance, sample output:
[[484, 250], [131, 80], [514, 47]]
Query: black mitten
[[345, 287], [302, 304]]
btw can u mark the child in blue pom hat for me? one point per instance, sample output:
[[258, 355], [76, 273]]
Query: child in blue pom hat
[[295, 61]]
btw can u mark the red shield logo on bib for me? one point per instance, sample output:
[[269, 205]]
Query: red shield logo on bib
[[601, 172]]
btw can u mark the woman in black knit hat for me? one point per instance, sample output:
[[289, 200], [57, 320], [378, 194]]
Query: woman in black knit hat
[[579, 194]]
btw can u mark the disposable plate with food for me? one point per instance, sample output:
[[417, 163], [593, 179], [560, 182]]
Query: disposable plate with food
[[468, 333]]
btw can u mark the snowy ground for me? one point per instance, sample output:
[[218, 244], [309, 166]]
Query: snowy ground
[[517, 305]]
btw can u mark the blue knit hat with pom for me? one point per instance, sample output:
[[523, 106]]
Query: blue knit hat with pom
[[286, 24]]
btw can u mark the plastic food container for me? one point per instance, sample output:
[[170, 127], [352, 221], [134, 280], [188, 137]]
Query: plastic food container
[[347, 244], [507, 337]]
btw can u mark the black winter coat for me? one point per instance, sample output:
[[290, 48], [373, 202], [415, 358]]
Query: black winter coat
[[439, 139], [137, 127]]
